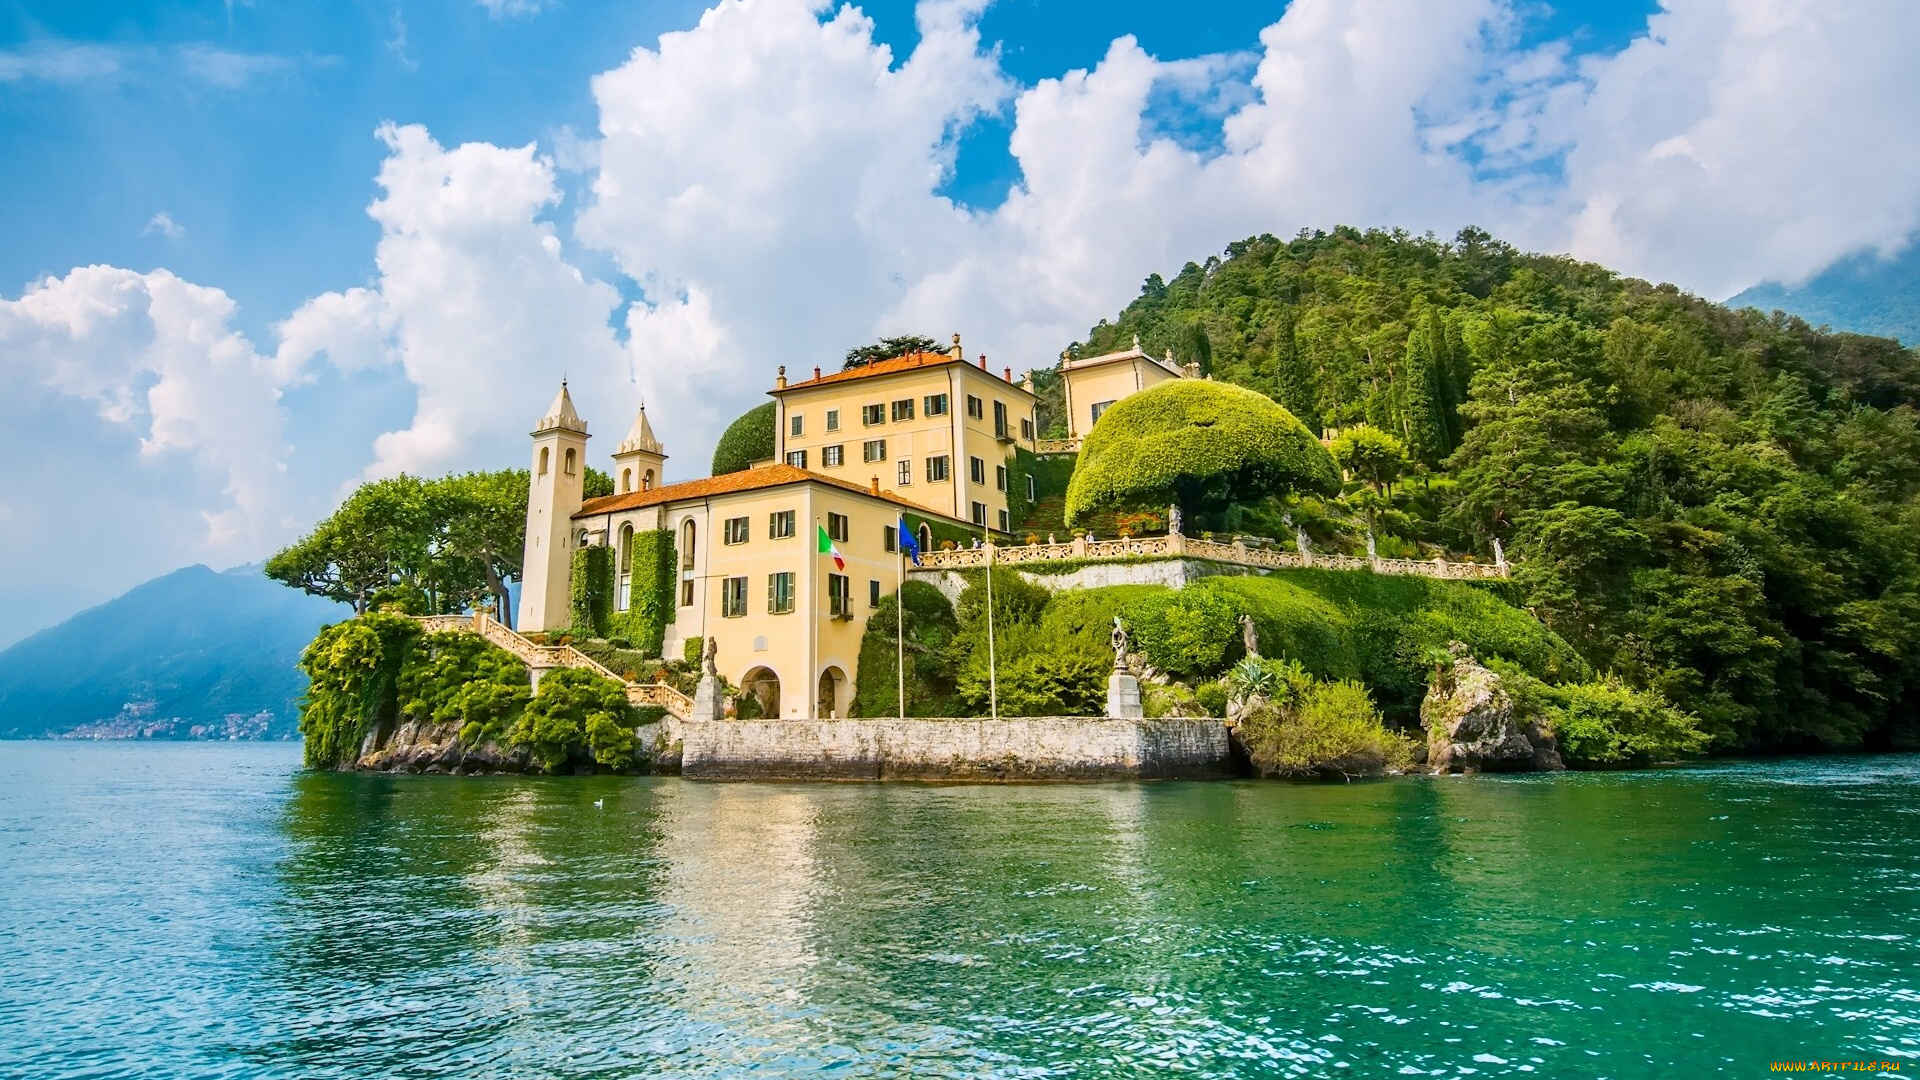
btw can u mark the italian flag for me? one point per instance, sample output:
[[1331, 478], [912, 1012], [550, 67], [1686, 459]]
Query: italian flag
[[827, 548]]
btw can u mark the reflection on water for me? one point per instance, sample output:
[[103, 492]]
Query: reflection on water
[[209, 911]]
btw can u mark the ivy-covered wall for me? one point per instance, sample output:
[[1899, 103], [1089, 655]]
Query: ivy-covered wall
[[590, 591], [1021, 465], [650, 592]]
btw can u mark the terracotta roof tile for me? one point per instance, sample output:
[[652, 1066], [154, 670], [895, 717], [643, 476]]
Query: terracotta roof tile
[[910, 362], [766, 476]]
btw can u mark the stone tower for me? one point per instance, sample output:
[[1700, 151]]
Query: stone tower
[[559, 468], [639, 464]]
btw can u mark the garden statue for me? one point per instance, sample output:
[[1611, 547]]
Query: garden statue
[[1119, 645], [1173, 520], [1499, 555], [710, 658], [1123, 689], [1250, 636]]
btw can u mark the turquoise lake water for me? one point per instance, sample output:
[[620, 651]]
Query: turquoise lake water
[[193, 910]]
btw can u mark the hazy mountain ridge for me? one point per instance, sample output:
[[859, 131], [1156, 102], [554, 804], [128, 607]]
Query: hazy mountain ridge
[[191, 654], [1861, 294]]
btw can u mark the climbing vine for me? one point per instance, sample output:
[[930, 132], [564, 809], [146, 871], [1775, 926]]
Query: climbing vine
[[590, 591], [650, 591], [353, 671]]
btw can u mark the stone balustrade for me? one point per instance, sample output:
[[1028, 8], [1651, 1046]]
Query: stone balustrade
[[1175, 546], [1056, 446]]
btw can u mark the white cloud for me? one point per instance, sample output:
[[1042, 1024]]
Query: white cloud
[[475, 301], [507, 9], [164, 224], [76, 63]]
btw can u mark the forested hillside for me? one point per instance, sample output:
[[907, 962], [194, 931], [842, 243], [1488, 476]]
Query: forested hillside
[[1719, 505]]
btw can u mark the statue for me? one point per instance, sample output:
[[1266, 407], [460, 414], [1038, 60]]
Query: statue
[[1119, 645], [1123, 689], [1173, 520], [710, 658], [1250, 636], [1499, 555]]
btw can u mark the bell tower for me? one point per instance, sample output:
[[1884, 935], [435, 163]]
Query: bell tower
[[559, 470], [639, 464]]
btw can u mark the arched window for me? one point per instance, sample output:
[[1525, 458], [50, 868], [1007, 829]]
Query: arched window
[[626, 481], [646, 482], [572, 456], [543, 460], [626, 548], [623, 558], [926, 538], [686, 545]]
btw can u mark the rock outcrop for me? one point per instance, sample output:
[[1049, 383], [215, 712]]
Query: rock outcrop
[[417, 747], [1472, 727]]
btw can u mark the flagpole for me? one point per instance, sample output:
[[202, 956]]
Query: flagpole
[[993, 664], [900, 619]]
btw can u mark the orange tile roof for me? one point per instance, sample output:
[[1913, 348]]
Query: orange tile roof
[[909, 362], [766, 476]]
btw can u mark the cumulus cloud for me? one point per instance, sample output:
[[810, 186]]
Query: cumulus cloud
[[474, 300]]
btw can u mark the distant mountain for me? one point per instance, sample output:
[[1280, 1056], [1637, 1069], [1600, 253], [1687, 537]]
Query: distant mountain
[[192, 655], [1861, 294]]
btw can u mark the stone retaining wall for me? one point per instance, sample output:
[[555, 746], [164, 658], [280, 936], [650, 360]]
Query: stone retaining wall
[[1043, 748]]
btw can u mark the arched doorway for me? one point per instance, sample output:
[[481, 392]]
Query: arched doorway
[[926, 538], [763, 686], [833, 685]]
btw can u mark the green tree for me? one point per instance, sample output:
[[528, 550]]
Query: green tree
[[1371, 455], [1197, 444], [576, 710], [887, 348]]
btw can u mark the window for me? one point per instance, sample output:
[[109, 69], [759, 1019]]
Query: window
[[1100, 407], [686, 545], [1031, 497], [544, 452], [873, 594], [686, 593], [874, 450], [979, 513], [1000, 477], [975, 407], [903, 410], [832, 456], [1000, 419], [780, 525], [573, 457], [873, 414], [934, 405], [837, 527], [736, 531], [626, 481], [779, 593], [937, 469], [840, 596], [733, 597], [646, 481], [797, 458], [794, 422], [1003, 522], [833, 419], [623, 559], [1026, 428], [977, 470], [905, 471], [892, 540]]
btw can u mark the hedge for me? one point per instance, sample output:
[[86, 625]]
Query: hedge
[[747, 440], [1200, 444]]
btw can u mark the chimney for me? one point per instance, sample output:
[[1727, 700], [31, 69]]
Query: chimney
[[1009, 374], [816, 373], [983, 361], [780, 381], [874, 486]]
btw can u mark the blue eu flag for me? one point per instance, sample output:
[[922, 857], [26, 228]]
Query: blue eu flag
[[907, 543]]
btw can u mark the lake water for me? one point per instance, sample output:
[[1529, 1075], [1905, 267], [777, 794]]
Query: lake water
[[193, 910]]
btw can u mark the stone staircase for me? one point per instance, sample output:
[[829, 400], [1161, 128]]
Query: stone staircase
[[541, 659]]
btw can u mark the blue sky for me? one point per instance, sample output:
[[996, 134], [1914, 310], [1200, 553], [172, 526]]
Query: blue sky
[[338, 240]]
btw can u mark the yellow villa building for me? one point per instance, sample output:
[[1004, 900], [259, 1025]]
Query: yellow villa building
[[1090, 384]]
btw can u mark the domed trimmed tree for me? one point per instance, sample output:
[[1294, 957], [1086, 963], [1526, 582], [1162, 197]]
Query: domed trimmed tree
[[1199, 445], [746, 440]]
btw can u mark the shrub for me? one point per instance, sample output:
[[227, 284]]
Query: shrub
[[353, 673], [1212, 698], [1200, 444], [747, 440], [1323, 729], [1039, 673], [574, 709], [461, 678], [930, 628], [1186, 632], [1605, 723]]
